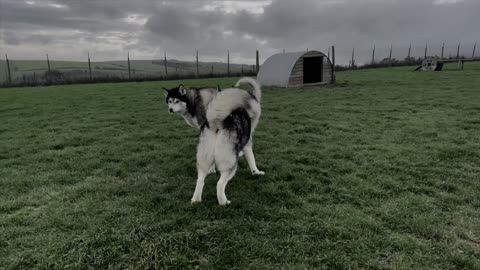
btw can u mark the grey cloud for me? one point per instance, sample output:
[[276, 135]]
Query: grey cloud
[[173, 24], [19, 15], [310, 23], [11, 38], [181, 27], [383, 20], [298, 25]]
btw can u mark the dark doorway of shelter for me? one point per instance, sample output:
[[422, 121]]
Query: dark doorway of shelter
[[312, 69]]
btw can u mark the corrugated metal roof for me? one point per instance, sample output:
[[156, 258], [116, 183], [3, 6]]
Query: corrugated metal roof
[[276, 70]]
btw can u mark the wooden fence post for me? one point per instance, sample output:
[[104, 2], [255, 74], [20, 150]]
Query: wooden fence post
[[443, 48], [48, 63], [474, 47], [165, 63], [334, 79], [196, 61], [409, 51], [89, 67], [390, 56], [128, 63], [9, 74], [373, 55], [228, 62], [353, 58], [458, 51], [257, 62], [426, 49]]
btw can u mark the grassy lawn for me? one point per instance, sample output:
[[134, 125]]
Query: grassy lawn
[[380, 171]]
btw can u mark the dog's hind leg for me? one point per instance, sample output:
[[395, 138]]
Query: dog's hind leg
[[205, 160], [250, 157], [197, 195], [226, 160], [226, 175]]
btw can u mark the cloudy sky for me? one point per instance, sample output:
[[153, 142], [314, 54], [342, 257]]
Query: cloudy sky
[[68, 29]]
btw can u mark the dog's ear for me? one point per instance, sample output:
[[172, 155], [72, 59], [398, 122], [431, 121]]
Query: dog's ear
[[182, 90]]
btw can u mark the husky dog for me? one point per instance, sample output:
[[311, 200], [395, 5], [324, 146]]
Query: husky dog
[[192, 103], [231, 117]]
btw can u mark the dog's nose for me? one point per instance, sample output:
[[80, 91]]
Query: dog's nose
[[170, 110]]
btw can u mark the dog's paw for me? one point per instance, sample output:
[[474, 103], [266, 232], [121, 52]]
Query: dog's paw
[[258, 173], [196, 200], [225, 203]]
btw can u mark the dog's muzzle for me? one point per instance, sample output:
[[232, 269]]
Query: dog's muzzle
[[170, 110]]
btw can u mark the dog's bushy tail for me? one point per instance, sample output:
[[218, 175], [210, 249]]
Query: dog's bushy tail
[[231, 99], [257, 91], [224, 104]]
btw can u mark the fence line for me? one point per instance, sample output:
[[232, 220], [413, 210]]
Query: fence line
[[427, 52], [115, 72], [183, 69]]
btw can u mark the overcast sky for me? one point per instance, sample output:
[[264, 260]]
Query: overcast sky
[[68, 29]]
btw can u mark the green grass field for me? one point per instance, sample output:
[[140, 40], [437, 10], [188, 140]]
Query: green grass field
[[380, 171]]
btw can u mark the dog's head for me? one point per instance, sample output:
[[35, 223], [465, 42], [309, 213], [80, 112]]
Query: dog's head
[[176, 99]]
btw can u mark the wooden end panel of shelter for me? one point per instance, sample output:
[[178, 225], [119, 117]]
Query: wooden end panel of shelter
[[313, 68], [296, 77]]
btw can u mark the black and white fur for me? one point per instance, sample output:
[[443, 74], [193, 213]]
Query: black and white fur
[[231, 118], [192, 103]]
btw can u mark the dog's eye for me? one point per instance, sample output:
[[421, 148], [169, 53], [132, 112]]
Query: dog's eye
[[176, 101]]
